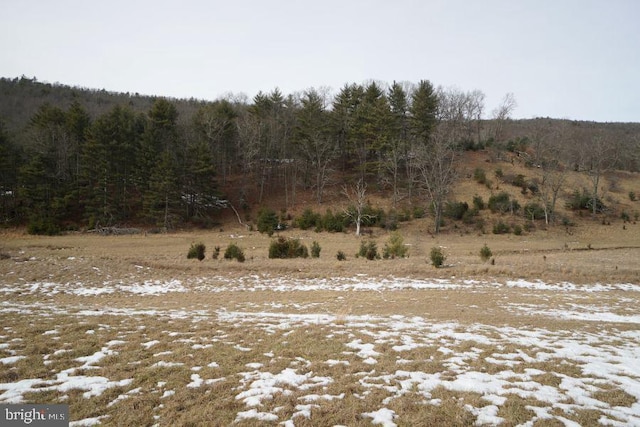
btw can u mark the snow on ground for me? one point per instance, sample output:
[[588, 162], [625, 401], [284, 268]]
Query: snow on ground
[[265, 282], [494, 361]]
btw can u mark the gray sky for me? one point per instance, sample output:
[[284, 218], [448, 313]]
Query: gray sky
[[576, 59]]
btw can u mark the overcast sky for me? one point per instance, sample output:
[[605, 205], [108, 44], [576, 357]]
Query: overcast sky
[[575, 59]]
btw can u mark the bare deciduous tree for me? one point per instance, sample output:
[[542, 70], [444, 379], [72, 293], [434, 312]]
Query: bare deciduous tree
[[437, 171], [598, 155], [502, 114], [357, 197]]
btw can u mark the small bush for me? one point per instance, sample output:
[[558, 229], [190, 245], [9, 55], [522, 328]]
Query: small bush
[[287, 248], [315, 249], [501, 228], [517, 230], [534, 211], [216, 252], [519, 181], [478, 203], [196, 250], [395, 247], [499, 174], [437, 257], [341, 256], [625, 217], [632, 196], [485, 253], [333, 223], [368, 250], [43, 226], [503, 203], [469, 216], [480, 176], [584, 201], [234, 251], [267, 221], [455, 210], [419, 212], [308, 219]]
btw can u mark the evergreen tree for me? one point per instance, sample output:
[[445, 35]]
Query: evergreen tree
[[424, 108], [199, 187], [314, 142], [109, 165], [9, 164], [158, 168], [398, 148], [371, 131], [345, 108]]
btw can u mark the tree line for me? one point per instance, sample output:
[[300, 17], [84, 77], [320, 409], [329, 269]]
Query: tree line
[[168, 162]]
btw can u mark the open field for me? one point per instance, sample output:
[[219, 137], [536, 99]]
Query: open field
[[128, 331]]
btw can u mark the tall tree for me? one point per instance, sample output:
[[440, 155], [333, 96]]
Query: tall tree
[[397, 152], [424, 109], [216, 123], [370, 131], [109, 167], [598, 155], [346, 106], [9, 165], [313, 139], [501, 114], [159, 180]]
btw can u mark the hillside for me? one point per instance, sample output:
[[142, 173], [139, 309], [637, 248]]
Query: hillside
[[77, 158]]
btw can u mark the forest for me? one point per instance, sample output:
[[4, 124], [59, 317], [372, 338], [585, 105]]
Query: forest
[[76, 158]]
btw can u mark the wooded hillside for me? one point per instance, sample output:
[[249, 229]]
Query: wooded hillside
[[74, 158]]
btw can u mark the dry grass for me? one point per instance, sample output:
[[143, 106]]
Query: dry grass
[[191, 334]]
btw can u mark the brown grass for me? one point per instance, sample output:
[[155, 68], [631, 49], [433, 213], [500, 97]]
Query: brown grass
[[196, 340]]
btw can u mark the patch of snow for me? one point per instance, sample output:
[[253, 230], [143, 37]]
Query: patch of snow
[[384, 417], [254, 414], [150, 344]]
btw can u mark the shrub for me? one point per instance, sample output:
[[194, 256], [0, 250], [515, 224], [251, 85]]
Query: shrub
[[437, 257], [315, 249], [480, 176], [625, 217], [632, 196], [267, 221], [341, 256], [517, 230], [196, 251], [43, 226], [485, 253], [469, 216], [584, 201], [455, 210], [404, 215], [419, 212], [368, 250], [534, 211], [519, 181], [333, 223], [478, 203], [499, 174], [234, 251], [308, 219], [502, 203], [287, 248], [500, 228], [395, 247]]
